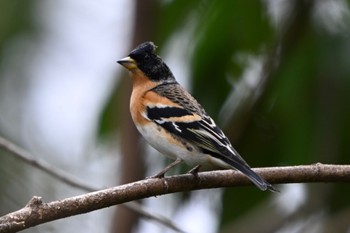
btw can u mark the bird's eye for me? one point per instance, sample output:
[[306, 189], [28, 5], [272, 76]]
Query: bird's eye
[[147, 57]]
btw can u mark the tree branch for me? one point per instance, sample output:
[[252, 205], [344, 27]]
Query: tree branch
[[37, 212], [71, 180]]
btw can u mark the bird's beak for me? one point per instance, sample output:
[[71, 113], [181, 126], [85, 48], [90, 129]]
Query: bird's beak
[[128, 63]]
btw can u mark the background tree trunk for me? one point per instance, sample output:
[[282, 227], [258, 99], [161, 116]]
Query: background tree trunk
[[133, 161]]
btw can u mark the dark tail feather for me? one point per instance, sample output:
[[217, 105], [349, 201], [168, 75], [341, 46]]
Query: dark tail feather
[[254, 177]]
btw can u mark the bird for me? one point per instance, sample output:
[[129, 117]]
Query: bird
[[173, 122]]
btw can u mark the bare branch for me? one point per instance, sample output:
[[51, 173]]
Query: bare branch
[[28, 158], [37, 212]]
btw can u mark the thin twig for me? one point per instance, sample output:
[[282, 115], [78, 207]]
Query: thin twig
[[71, 180], [42, 165]]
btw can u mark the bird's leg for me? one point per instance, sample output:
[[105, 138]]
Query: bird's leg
[[167, 168], [194, 171]]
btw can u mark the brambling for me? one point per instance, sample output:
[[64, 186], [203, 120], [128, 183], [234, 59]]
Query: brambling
[[174, 123]]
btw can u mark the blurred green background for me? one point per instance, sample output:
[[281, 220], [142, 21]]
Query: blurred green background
[[274, 74]]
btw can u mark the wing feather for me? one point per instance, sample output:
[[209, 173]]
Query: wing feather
[[201, 132], [190, 122]]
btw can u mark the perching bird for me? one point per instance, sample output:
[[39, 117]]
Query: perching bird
[[173, 122]]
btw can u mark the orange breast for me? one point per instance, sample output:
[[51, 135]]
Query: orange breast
[[142, 96]]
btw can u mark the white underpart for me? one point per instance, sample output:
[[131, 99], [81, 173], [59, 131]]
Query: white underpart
[[174, 151]]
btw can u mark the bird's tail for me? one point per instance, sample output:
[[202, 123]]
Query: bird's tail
[[259, 182]]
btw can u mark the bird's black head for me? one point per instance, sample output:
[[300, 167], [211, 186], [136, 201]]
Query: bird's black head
[[144, 58]]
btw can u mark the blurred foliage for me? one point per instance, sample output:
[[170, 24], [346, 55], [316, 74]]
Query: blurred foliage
[[223, 34], [220, 33], [15, 18]]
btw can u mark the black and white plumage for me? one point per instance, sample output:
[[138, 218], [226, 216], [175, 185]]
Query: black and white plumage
[[173, 122]]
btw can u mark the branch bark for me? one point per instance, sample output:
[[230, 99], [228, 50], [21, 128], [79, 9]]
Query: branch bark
[[37, 212]]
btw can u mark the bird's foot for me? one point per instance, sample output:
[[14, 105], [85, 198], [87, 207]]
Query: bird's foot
[[160, 175]]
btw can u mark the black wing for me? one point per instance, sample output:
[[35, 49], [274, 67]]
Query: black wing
[[191, 123]]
